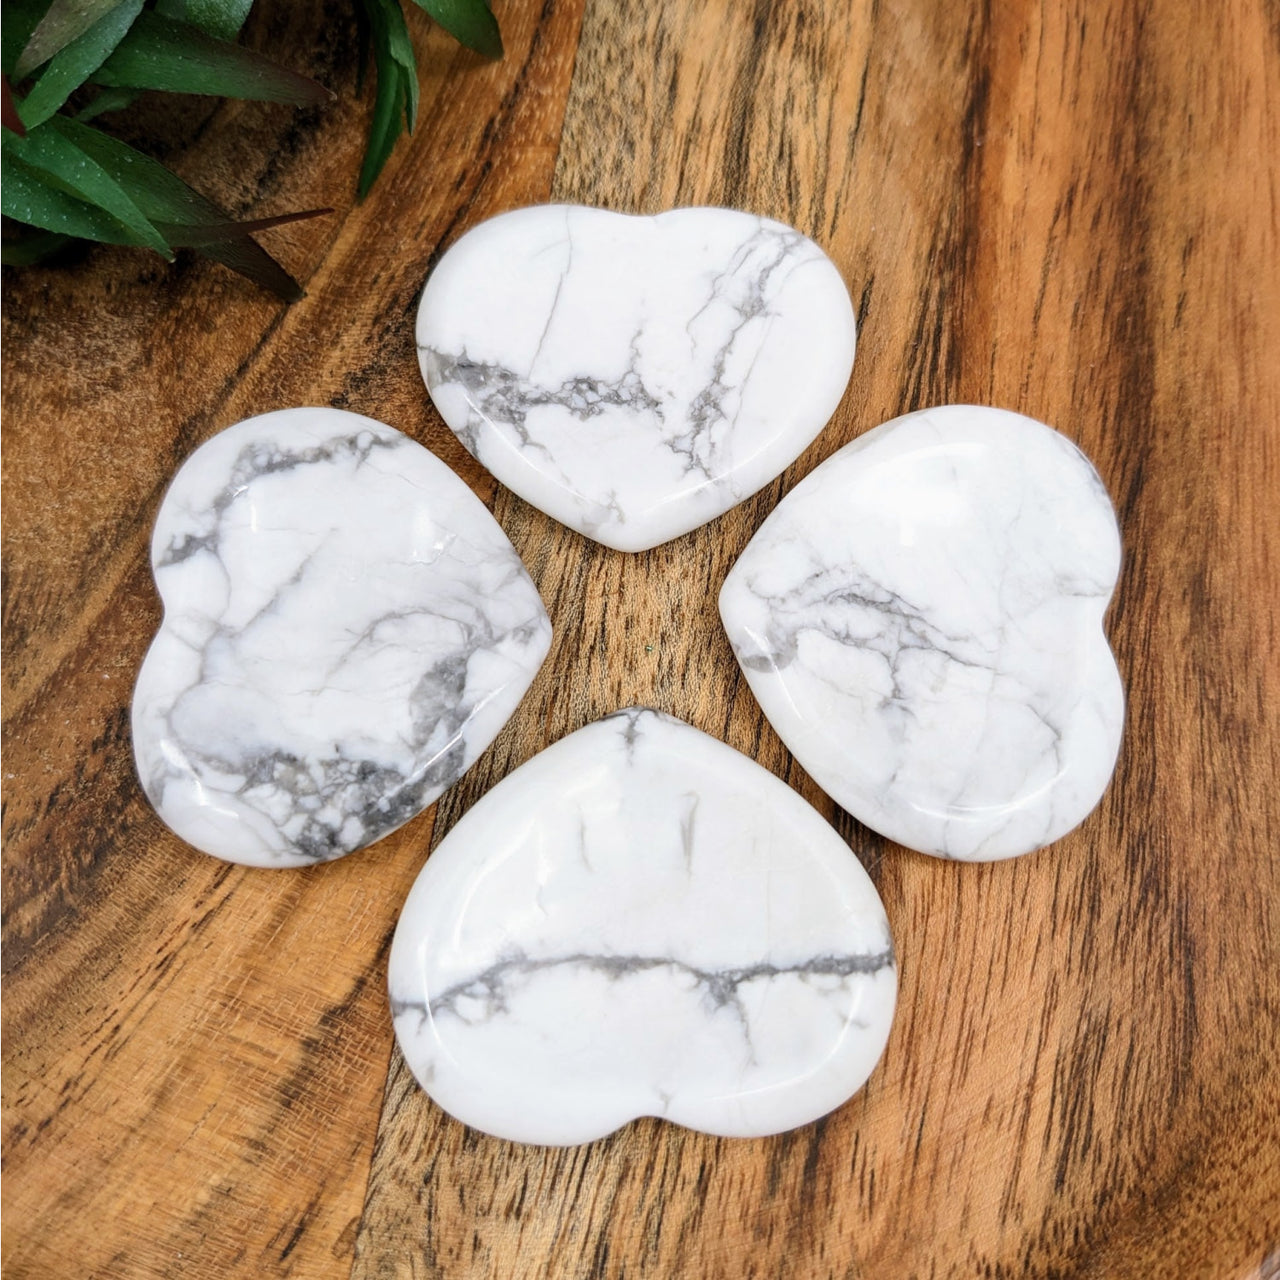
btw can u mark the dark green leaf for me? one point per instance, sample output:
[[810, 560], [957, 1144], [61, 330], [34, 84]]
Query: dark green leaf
[[65, 166], [470, 22], [395, 37], [162, 196], [384, 129], [33, 247], [159, 53], [108, 100], [27, 197], [397, 90], [18, 19], [75, 63], [221, 19], [64, 21], [185, 215]]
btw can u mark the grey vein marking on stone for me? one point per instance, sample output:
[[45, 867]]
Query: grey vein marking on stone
[[720, 987], [503, 397], [312, 801], [687, 821], [555, 301], [706, 410], [631, 732], [262, 458], [905, 626]]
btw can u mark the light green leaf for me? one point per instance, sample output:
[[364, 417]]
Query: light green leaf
[[221, 19], [76, 62], [65, 166], [159, 53], [27, 197], [470, 22], [108, 100], [64, 21]]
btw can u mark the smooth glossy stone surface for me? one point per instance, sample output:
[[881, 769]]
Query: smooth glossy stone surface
[[921, 621], [346, 628], [635, 377], [641, 921]]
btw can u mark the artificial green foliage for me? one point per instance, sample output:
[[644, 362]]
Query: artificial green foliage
[[469, 22], [219, 18], [63, 22], [67, 62], [74, 63], [160, 53]]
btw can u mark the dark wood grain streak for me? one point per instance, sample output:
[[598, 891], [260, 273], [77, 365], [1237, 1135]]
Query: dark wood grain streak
[[1070, 210]]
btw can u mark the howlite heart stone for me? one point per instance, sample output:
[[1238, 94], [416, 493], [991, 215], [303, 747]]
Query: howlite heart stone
[[921, 621], [641, 921], [346, 628], [635, 377]]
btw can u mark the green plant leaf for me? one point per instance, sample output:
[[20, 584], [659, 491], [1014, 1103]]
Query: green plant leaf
[[159, 53], [397, 91], [160, 194], [221, 19], [400, 49], [108, 100], [72, 65], [64, 21], [27, 197], [384, 128], [64, 166], [18, 19], [185, 216], [470, 22]]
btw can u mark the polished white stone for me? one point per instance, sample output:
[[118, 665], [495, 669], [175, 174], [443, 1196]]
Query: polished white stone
[[635, 377], [346, 628], [641, 921], [921, 621]]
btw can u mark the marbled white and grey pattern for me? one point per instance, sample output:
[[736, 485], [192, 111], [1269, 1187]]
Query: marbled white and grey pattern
[[346, 628], [635, 377], [921, 621], [641, 921]]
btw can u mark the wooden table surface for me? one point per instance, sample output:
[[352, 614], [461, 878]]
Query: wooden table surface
[[1071, 210]]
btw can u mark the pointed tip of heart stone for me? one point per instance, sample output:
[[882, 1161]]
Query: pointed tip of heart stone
[[635, 377]]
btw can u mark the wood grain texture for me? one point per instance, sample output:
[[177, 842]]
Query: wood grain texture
[[1069, 210]]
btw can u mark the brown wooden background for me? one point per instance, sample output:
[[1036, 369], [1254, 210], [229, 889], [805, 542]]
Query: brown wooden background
[[1071, 210]]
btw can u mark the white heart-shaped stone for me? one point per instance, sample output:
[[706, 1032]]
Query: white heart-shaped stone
[[346, 628], [635, 377], [641, 921], [921, 621]]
